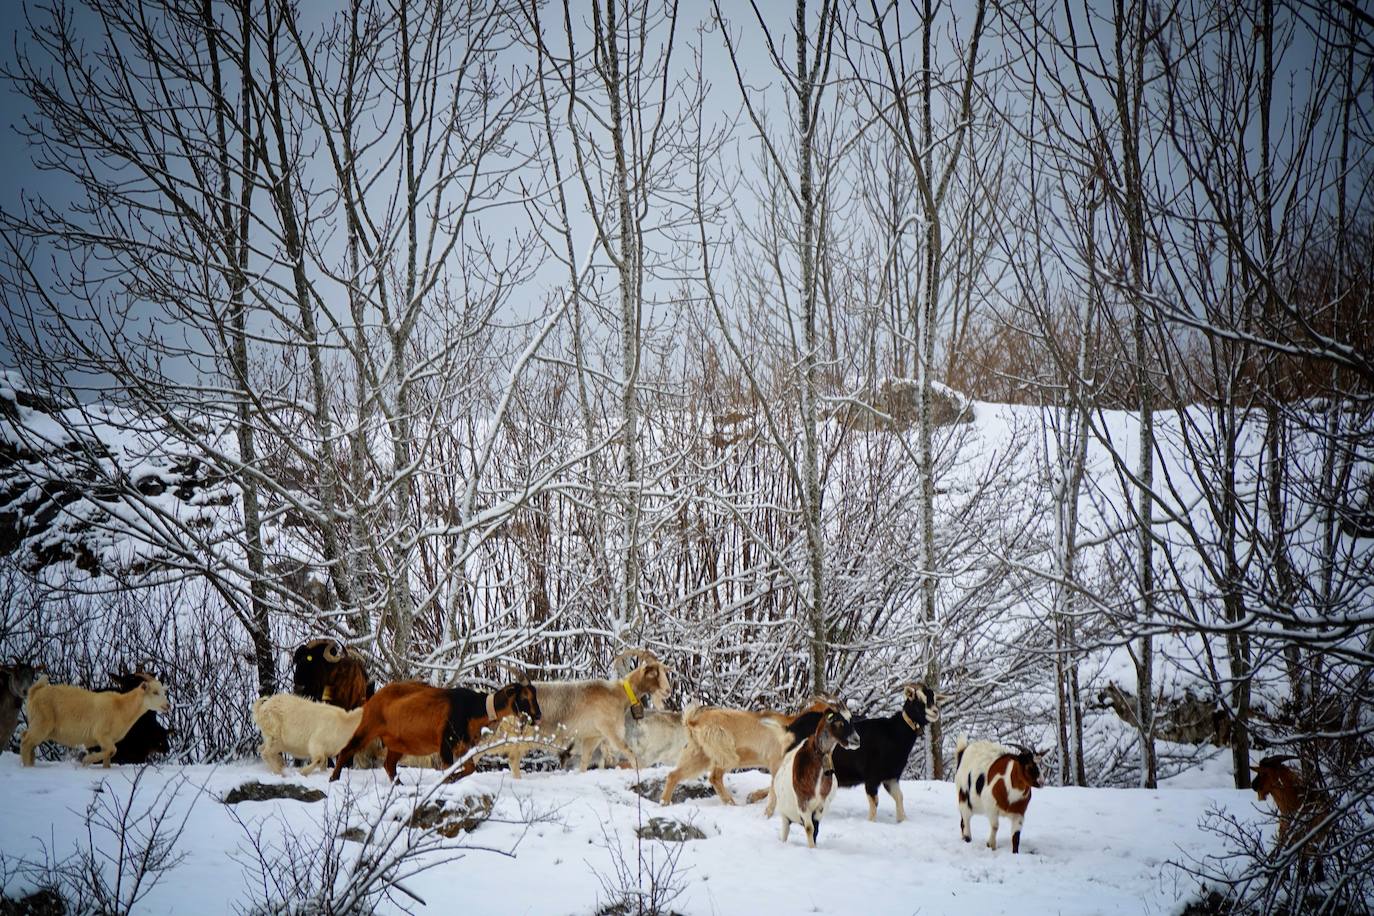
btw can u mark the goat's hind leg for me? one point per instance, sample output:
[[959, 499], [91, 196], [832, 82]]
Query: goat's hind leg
[[894, 788], [718, 781]]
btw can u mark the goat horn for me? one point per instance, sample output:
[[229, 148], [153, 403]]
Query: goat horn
[[644, 655], [333, 651], [520, 675]]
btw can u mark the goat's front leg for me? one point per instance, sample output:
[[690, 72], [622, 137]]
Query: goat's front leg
[[106, 751], [1016, 821]]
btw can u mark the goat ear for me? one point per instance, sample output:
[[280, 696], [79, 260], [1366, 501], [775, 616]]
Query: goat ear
[[910, 691]]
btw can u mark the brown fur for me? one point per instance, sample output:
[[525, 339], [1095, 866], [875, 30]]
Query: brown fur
[[414, 719], [1300, 807], [1019, 782]]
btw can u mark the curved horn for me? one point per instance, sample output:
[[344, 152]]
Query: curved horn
[[1023, 749], [333, 651], [1282, 758], [644, 655], [520, 675]]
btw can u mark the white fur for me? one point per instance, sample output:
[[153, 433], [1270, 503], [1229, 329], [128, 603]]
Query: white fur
[[978, 759], [302, 728], [81, 718]]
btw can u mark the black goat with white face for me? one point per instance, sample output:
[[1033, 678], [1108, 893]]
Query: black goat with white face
[[885, 745]]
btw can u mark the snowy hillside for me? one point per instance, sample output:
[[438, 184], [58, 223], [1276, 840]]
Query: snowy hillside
[[549, 845]]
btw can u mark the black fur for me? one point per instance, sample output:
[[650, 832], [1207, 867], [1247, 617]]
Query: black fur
[[884, 745]]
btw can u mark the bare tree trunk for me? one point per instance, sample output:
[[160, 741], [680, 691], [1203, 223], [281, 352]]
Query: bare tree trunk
[[812, 499], [628, 271], [234, 228]]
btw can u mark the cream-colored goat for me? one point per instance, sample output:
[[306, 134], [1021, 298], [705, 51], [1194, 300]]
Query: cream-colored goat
[[727, 739], [592, 713], [302, 728], [81, 718]]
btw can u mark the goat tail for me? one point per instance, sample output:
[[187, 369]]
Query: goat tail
[[960, 743], [690, 712]]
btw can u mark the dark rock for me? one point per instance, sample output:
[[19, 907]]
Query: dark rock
[[665, 828], [652, 789], [356, 834], [258, 791], [450, 818]]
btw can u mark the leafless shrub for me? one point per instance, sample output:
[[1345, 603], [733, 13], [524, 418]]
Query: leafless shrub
[[128, 847]]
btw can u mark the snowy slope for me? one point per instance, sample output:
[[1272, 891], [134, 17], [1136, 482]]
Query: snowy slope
[[1084, 850]]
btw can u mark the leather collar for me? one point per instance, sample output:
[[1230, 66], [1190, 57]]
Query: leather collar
[[912, 725]]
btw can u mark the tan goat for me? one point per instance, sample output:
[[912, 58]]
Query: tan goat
[[728, 739], [80, 718], [592, 713]]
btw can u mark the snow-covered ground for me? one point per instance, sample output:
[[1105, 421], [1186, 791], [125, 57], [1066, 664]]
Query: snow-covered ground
[[1083, 850]]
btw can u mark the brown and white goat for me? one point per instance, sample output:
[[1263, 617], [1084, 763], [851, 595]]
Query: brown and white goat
[[15, 681], [592, 713], [81, 718], [805, 780], [416, 719], [1304, 810], [719, 740], [302, 728], [994, 780]]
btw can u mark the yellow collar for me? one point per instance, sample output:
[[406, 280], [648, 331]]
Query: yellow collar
[[629, 692]]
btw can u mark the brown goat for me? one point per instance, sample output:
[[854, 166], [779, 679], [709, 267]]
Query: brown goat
[[1301, 809], [416, 719]]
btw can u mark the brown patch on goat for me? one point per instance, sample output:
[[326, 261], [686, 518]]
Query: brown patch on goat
[[806, 773], [1012, 772]]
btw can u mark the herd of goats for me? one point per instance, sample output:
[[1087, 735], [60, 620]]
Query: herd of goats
[[335, 712]]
